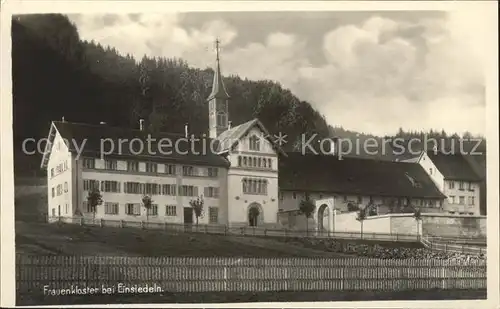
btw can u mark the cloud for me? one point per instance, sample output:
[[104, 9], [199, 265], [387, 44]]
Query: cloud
[[378, 75]]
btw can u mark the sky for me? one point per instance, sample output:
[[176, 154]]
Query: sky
[[371, 72]]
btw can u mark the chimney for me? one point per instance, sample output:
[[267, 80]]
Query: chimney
[[229, 125], [186, 130], [141, 124], [333, 142]]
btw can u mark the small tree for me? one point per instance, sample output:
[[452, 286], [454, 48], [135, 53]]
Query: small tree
[[94, 199], [361, 217], [307, 208], [148, 203], [197, 206], [418, 217]]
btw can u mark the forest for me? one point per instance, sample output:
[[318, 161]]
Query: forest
[[55, 74]]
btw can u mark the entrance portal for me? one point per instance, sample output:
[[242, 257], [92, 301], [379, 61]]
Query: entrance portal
[[255, 214]]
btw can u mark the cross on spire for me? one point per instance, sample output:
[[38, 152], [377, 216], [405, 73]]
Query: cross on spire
[[217, 48]]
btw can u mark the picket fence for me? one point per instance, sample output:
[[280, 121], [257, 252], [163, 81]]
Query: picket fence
[[197, 274]]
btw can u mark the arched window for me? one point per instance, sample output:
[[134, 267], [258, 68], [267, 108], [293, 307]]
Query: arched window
[[269, 163], [239, 161], [244, 161], [265, 162], [264, 189], [221, 119], [259, 161], [255, 162], [254, 186]]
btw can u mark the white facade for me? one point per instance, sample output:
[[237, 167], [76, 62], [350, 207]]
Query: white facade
[[253, 166], [59, 180]]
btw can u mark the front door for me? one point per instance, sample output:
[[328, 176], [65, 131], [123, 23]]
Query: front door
[[188, 215]]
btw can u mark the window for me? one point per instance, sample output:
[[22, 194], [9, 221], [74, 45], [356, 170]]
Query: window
[[360, 199], [254, 143], [269, 161], [264, 163], [239, 161], [88, 163], [133, 209], [51, 172], [221, 119], [461, 185], [213, 215], [294, 195], [188, 171], [430, 171], [170, 169], [59, 190], [171, 210], [53, 192], [151, 167], [255, 186], [452, 199], [110, 164], [153, 211], [110, 186], [152, 188], [86, 207], [110, 208], [132, 187], [470, 186], [432, 203], [451, 185], [89, 184], [53, 212], [188, 191], [462, 200], [245, 161], [132, 166], [213, 172], [211, 192], [168, 189], [65, 186], [472, 202]]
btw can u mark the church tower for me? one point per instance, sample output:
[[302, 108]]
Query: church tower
[[218, 101]]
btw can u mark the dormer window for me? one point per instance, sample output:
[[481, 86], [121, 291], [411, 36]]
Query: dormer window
[[254, 143]]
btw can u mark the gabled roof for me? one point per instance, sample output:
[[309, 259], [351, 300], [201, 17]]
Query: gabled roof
[[328, 173], [162, 146], [453, 166], [230, 138]]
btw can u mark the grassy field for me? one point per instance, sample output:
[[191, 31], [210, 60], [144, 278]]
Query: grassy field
[[67, 239]]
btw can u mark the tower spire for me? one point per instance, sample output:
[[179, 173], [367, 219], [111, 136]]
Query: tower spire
[[218, 89]]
